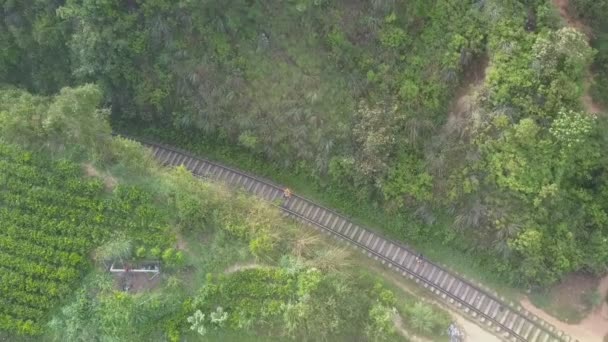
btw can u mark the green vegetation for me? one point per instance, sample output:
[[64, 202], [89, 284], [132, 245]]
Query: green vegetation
[[360, 98], [564, 312], [421, 236], [301, 303], [52, 218], [593, 299], [455, 125], [572, 300], [571, 313], [593, 13], [64, 223], [99, 312]]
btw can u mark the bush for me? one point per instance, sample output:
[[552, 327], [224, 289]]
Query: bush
[[155, 252], [592, 299], [425, 319], [140, 252], [393, 37], [262, 245], [72, 217], [130, 155]]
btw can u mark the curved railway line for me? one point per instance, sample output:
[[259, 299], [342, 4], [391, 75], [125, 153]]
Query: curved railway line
[[509, 322]]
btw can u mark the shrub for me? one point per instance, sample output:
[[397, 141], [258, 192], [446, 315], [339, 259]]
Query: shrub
[[140, 252], [425, 319], [592, 299]]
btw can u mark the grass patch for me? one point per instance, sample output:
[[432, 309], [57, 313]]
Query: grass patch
[[405, 301], [547, 303], [232, 336], [212, 253], [571, 300]]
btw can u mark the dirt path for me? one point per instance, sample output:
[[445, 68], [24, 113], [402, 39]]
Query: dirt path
[[591, 329], [597, 321], [588, 103], [474, 333], [595, 326], [241, 266], [108, 181], [398, 322], [562, 6], [464, 98]]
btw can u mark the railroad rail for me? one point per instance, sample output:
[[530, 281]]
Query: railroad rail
[[510, 322]]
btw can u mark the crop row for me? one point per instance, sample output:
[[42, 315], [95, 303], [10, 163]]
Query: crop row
[[60, 197], [64, 243], [62, 221], [11, 281], [31, 251], [42, 208], [8, 323], [19, 311], [51, 218], [33, 269], [30, 299], [68, 236]]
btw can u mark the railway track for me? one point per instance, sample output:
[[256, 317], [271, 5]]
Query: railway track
[[509, 322]]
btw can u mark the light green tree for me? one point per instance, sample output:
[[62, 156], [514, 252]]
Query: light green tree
[[197, 322], [381, 326], [564, 50], [115, 250], [219, 316], [421, 317]]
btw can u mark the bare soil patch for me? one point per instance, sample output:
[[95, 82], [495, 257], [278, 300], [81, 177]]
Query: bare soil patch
[[566, 300], [356, 33], [588, 103], [181, 243], [594, 326], [475, 74], [472, 329], [108, 181], [241, 266], [473, 77], [401, 330], [136, 282], [465, 99], [597, 321], [563, 6]]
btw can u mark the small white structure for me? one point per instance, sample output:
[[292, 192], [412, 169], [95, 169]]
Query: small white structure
[[135, 276], [141, 267], [456, 335]]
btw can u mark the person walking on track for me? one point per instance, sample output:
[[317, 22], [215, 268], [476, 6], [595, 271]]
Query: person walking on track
[[286, 193]]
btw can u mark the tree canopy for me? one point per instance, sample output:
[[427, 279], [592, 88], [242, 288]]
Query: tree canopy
[[360, 95]]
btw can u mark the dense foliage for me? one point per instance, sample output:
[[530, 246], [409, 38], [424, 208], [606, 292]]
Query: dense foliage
[[51, 215], [384, 101], [304, 304], [51, 220], [59, 211], [34, 42], [99, 312], [593, 13], [308, 294]]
